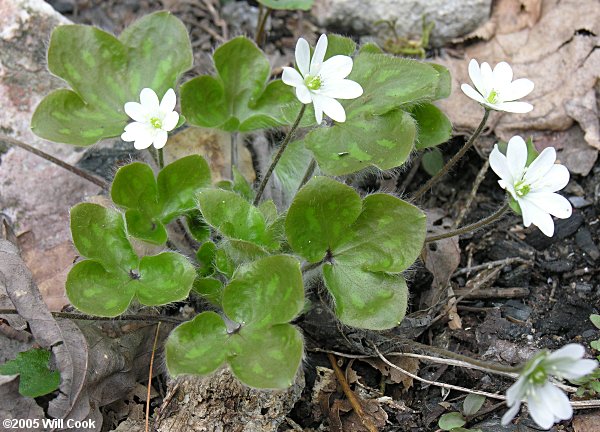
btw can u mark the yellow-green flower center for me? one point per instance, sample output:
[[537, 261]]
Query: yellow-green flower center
[[156, 122], [493, 97], [313, 82], [522, 188], [538, 376]]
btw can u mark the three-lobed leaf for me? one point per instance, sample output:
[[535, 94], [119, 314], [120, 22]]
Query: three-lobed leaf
[[35, 378], [105, 72]]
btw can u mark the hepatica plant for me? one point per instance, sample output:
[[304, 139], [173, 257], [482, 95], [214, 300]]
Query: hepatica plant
[[254, 260]]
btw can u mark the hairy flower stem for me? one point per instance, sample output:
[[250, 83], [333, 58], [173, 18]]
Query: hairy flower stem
[[433, 180], [263, 16], [161, 158], [308, 174], [79, 316], [474, 226], [234, 162], [284, 144]]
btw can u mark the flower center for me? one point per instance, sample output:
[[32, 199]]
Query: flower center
[[313, 82], [156, 122], [538, 376], [493, 97], [522, 188]]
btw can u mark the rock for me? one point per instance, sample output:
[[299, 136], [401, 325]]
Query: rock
[[562, 228], [579, 202], [586, 243], [241, 18], [452, 18]]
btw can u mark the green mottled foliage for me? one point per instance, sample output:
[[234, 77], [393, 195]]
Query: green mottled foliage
[[35, 378]]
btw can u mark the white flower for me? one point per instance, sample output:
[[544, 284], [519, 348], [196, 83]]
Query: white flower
[[496, 89], [153, 120], [322, 82], [547, 404], [533, 186]]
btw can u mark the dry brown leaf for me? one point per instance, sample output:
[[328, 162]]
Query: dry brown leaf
[[454, 320], [587, 422], [409, 364]]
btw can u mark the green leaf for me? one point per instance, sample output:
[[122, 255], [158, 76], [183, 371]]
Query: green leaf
[[105, 72], [206, 258], [235, 218], [595, 344], [339, 45], [151, 203], [35, 378], [209, 288], [164, 278], [532, 152], [381, 141], [432, 161], [433, 126], [451, 420], [444, 87], [241, 185], [319, 217], [291, 167], [99, 233], [95, 291], [197, 226], [239, 98], [371, 48], [223, 263], [472, 404], [288, 4]]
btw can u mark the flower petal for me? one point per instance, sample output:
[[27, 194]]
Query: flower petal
[[510, 414], [578, 369], [318, 55], [291, 77], [541, 413], [517, 89], [499, 165], [557, 401], [136, 111], [303, 94], [160, 139], [168, 102], [488, 77], [514, 107], [503, 75], [472, 93], [133, 130], [555, 179], [552, 203], [317, 103], [149, 99], [532, 214], [571, 351], [335, 68], [170, 121], [302, 56], [144, 140], [341, 89], [476, 78], [516, 392], [516, 157], [538, 169], [332, 108]]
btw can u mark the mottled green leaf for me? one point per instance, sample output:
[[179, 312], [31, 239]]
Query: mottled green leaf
[[432, 161], [269, 211], [433, 126], [444, 87], [595, 319], [239, 97], [99, 233], [288, 4], [209, 288], [371, 48], [223, 263], [206, 258], [472, 404], [105, 72], [134, 187], [339, 45], [451, 420], [241, 185], [319, 217], [95, 291], [164, 278], [197, 226], [291, 168], [241, 252], [234, 217], [35, 378], [381, 141]]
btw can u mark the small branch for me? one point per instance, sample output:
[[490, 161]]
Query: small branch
[[234, 160], [77, 171], [150, 378], [476, 184], [77, 316], [263, 16], [284, 144], [161, 158], [433, 180], [356, 406], [308, 174], [474, 226], [489, 265]]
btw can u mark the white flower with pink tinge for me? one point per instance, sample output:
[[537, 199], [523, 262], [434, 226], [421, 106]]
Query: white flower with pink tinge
[[495, 89], [533, 187], [153, 120], [322, 82]]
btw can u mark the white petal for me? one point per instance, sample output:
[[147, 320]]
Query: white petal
[[570, 369], [539, 411], [149, 99], [571, 351], [510, 414], [555, 179], [552, 203], [291, 77], [476, 78], [516, 90], [317, 103], [556, 401], [341, 89], [168, 102], [332, 108], [143, 141], [516, 156], [500, 165], [170, 121], [538, 169], [472, 93], [160, 139], [514, 107], [318, 55], [532, 214], [503, 75], [516, 392], [303, 94], [302, 56], [487, 76], [136, 111], [133, 130], [336, 68]]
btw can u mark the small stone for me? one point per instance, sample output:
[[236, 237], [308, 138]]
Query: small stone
[[586, 243], [579, 202], [583, 287], [517, 310]]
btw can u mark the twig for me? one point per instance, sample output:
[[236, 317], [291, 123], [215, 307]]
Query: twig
[[77, 316], [73, 169], [489, 265], [234, 159], [356, 406], [480, 176], [150, 377], [263, 16], [433, 180], [411, 174], [308, 174]]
